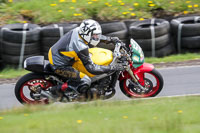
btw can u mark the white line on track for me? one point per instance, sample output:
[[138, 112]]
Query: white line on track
[[197, 94], [179, 67]]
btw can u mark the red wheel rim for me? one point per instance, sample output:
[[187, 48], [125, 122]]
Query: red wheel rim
[[152, 92], [44, 84]]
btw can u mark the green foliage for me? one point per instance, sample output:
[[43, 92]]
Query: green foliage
[[51, 11], [2, 1]]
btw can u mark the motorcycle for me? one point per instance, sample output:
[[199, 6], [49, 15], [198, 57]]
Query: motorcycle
[[139, 79]]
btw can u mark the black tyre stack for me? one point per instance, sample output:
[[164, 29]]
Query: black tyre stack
[[19, 41], [1, 61], [128, 22], [186, 32], [114, 29], [51, 34], [153, 35]]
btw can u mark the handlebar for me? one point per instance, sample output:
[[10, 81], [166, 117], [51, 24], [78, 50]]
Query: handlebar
[[121, 49], [122, 54], [124, 45], [126, 48]]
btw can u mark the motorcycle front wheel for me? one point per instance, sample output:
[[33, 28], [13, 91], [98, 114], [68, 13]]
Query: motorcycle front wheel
[[153, 85]]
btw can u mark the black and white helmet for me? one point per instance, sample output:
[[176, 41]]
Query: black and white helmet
[[90, 31]]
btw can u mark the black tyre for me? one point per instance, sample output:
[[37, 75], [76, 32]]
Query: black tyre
[[15, 48], [1, 52], [128, 22], [188, 50], [10, 59], [160, 42], [45, 54], [142, 30], [126, 41], [22, 88], [190, 26], [113, 27], [76, 22], [1, 47], [120, 34], [46, 49], [14, 33], [1, 64], [54, 31], [154, 89], [190, 42], [49, 41], [167, 50]]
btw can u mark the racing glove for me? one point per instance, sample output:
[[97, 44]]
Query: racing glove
[[116, 67], [114, 39], [108, 39]]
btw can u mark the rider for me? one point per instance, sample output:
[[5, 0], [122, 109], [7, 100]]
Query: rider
[[77, 42]]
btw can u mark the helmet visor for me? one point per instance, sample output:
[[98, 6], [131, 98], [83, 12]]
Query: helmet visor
[[96, 37]]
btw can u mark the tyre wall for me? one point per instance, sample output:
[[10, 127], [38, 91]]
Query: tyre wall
[[186, 34], [50, 34], [19, 41], [1, 62], [114, 29], [157, 37], [153, 35]]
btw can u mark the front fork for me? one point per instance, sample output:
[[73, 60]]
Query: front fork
[[128, 69], [134, 79]]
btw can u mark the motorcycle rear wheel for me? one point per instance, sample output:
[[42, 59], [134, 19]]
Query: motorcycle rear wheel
[[23, 92], [155, 90]]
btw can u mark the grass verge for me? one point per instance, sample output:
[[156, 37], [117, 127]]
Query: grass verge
[[9, 72], [174, 58], [162, 115]]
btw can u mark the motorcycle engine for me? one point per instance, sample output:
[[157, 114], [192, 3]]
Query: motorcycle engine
[[102, 85]]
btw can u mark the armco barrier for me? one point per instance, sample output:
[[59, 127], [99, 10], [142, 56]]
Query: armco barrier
[[157, 37]]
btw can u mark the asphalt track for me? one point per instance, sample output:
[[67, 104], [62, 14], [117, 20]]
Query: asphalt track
[[177, 81]]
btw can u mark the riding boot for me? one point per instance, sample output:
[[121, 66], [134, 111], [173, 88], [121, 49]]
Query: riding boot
[[84, 85], [83, 89]]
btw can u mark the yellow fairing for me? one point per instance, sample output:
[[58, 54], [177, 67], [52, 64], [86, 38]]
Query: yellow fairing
[[99, 56]]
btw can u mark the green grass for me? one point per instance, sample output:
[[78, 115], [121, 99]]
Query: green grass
[[12, 73], [162, 115], [174, 58], [54, 11]]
